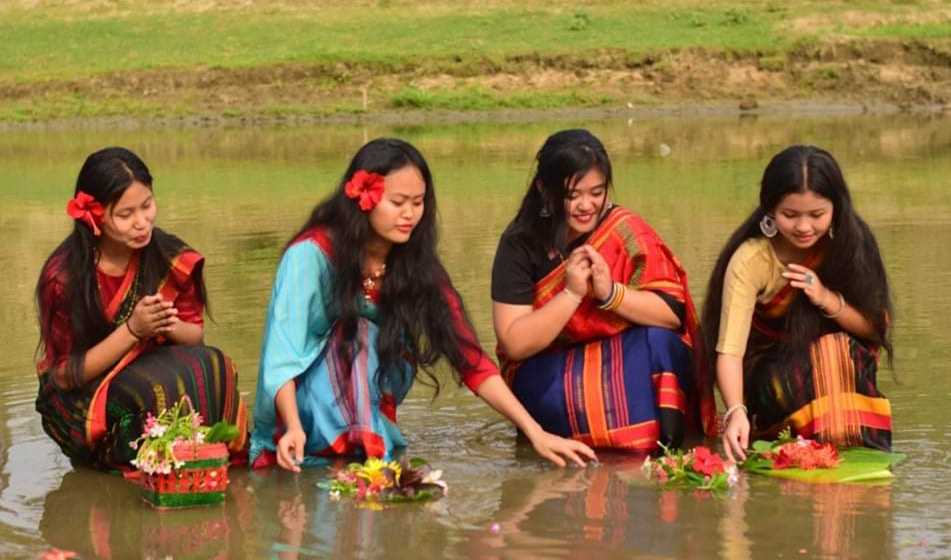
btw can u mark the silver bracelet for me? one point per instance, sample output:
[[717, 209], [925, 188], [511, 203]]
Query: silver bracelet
[[734, 408]]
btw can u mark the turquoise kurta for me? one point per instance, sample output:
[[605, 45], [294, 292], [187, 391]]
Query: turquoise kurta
[[341, 415]]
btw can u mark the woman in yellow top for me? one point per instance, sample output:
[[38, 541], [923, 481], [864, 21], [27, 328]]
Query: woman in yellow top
[[799, 306]]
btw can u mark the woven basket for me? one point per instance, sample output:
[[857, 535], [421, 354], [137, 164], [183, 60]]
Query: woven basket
[[202, 480]]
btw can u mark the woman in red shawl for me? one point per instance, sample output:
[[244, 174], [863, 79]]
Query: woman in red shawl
[[597, 332], [121, 306]]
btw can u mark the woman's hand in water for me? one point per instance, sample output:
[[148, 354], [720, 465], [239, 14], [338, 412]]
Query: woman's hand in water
[[152, 315], [558, 449], [290, 450], [736, 436]]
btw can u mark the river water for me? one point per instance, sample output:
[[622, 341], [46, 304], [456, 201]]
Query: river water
[[237, 194]]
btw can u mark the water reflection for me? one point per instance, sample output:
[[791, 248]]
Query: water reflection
[[238, 194]]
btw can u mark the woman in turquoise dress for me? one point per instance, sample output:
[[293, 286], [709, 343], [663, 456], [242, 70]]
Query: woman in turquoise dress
[[361, 307]]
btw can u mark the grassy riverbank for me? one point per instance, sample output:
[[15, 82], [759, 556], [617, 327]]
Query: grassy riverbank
[[256, 59]]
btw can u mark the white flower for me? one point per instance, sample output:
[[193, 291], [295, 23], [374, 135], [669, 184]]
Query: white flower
[[134, 444], [200, 437], [335, 495], [733, 475], [435, 477], [648, 467], [157, 430]]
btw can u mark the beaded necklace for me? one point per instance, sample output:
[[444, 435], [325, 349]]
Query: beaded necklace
[[370, 288], [128, 304]]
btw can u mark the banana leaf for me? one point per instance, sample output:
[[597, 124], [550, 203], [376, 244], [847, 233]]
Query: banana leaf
[[856, 464]]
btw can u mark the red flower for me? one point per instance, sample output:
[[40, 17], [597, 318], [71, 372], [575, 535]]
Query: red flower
[[805, 454], [706, 462], [85, 208], [366, 188]]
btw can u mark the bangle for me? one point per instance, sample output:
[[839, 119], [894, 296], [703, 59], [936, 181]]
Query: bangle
[[132, 332], [734, 408], [837, 311], [614, 300], [572, 295]]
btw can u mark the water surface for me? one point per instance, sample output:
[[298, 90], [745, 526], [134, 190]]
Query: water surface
[[238, 194]]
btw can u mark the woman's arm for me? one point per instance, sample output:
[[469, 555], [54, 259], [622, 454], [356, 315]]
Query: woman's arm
[[832, 304], [290, 448], [644, 307], [151, 316], [556, 449], [736, 433], [641, 307], [523, 331], [183, 332]]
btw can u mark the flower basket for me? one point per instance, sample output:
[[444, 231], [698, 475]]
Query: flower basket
[[181, 462], [201, 480]]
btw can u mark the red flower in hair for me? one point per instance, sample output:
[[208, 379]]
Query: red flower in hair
[[87, 209], [366, 188]]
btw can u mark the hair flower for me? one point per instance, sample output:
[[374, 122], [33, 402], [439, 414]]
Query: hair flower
[[86, 208], [366, 188]]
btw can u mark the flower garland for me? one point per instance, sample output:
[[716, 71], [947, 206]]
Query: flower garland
[[697, 469], [173, 425], [377, 481]]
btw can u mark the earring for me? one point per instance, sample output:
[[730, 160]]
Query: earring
[[768, 226], [831, 233], [545, 212]]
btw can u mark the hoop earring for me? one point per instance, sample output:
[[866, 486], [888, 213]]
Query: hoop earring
[[767, 225], [831, 233]]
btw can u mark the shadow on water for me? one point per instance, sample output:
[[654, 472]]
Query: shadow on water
[[237, 195]]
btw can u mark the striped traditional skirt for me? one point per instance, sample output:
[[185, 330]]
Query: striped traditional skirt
[[627, 391], [153, 382], [831, 395]]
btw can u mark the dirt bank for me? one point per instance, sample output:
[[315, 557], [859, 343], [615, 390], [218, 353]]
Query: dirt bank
[[870, 74]]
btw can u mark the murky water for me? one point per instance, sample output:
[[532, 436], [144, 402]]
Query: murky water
[[237, 194]]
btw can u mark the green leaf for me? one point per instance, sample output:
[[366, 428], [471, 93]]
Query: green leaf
[[761, 446], [857, 464], [221, 432], [417, 462]]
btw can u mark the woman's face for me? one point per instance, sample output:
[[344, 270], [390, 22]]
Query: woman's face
[[585, 203], [129, 220], [401, 207], [803, 218]]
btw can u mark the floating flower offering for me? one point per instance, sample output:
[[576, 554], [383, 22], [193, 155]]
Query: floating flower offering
[[376, 481], [697, 469], [811, 461]]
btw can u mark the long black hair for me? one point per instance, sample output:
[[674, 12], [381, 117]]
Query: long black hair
[[416, 322], [851, 265], [563, 159], [105, 175]]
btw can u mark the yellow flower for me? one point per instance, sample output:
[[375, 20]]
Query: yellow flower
[[373, 472]]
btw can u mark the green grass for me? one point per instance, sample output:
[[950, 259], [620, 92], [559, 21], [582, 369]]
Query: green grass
[[128, 57], [48, 43], [479, 99]]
